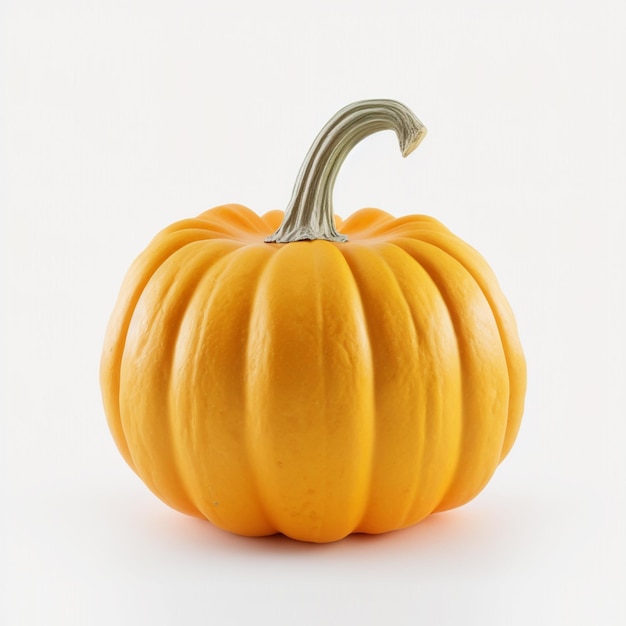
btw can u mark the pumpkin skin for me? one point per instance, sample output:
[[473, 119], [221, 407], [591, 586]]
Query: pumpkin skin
[[312, 388]]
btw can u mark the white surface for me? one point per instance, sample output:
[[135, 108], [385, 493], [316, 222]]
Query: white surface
[[118, 118]]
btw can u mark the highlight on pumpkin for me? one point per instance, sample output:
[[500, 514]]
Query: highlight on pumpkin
[[347, 382]]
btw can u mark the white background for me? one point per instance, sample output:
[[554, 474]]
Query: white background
[[119, 118]]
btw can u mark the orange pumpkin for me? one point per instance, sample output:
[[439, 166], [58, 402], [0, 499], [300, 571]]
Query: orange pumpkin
[[310, 382]]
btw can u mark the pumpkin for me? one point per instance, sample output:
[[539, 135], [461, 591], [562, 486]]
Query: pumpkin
[[333, 377]]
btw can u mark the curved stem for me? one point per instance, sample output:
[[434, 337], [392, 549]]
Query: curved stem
[[309, 214]]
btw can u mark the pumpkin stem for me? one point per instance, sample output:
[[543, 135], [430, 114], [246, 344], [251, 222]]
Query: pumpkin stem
[[309, 214]]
